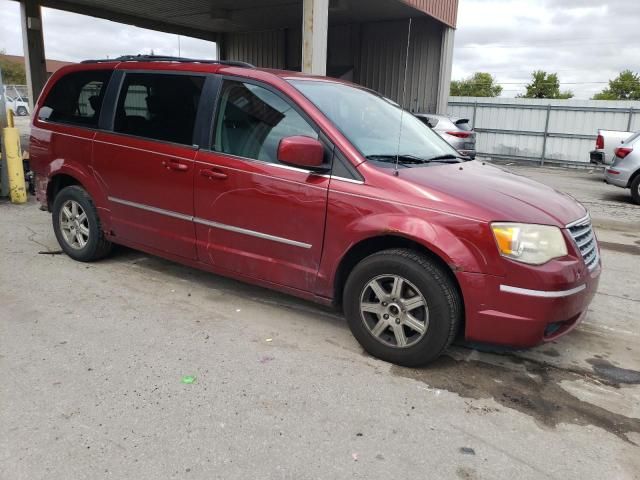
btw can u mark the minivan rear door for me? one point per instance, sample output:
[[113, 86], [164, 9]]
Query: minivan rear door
[[146, 163]]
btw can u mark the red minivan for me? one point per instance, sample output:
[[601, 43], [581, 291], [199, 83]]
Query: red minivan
[[315, 187]]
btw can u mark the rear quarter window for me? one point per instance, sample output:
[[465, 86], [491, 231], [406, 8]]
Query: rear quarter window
[[76, 98], [463, 124]]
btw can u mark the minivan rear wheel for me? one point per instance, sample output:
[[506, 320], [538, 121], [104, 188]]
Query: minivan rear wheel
[[402, 307], [77, 225]]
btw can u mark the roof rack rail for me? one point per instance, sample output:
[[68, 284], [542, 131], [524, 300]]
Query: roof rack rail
[[163, 58]]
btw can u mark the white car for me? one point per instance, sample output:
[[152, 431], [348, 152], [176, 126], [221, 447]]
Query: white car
[[19, 105], [606, 144]]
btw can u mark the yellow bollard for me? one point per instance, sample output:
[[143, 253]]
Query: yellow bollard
[[13, 157]]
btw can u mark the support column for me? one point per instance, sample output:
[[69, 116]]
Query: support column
[[315, 26], [33, 44], [220, 46], [446, 61]]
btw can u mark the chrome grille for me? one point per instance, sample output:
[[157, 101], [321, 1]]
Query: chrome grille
[[582, 233]]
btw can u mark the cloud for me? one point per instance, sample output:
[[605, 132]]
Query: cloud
[[582, 40], [73, 37]]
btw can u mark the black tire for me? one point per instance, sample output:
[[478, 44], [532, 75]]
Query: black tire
[[97, 246], [22, 112], [635, 190], [445, 308]]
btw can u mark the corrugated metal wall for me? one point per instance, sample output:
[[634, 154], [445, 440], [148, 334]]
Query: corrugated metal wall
[[372, 54], [382, 61], [558, 130], [262, 49], [444, 10]]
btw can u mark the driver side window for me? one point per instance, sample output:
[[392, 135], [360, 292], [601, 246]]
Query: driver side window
[[252, 120]]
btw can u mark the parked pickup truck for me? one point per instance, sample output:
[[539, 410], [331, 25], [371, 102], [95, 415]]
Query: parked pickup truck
[[606, 143]]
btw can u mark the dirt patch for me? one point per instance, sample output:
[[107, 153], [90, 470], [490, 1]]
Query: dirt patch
[[552, 352], [528, 387], [620, 247]]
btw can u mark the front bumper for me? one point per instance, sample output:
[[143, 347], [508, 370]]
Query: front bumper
[[502, 314]]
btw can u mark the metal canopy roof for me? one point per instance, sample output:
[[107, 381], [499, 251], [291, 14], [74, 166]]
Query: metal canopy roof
[[205, 18]]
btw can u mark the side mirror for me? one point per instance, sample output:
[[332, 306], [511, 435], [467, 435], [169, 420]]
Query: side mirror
[[304, 152]]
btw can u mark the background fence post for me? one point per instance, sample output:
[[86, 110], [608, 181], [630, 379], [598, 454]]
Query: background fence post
[[546, 135], [475, 110], [630, 119]]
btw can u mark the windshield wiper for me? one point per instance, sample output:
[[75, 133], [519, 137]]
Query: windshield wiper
[[447, 156], [402, 158]]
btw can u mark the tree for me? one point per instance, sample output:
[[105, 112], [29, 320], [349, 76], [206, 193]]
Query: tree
[[480, 84], [545, 85], [625, 86], [12, 72]]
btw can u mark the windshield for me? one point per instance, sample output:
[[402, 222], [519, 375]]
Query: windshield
[[372, 123]]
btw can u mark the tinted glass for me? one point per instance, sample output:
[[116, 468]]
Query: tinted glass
[[463, 124], [428, 121], [372, 123], [76, 98], [252, 120], [159, 106]]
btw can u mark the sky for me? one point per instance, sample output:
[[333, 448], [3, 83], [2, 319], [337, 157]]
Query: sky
[[587, 42]]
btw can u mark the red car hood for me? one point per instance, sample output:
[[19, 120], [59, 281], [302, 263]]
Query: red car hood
[[493, 194]]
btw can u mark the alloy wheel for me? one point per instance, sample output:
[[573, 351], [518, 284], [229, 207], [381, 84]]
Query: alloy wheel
[[394, 311], [74, 224]]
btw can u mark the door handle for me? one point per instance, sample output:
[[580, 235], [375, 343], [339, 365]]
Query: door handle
[[175, 165], [213, 174]]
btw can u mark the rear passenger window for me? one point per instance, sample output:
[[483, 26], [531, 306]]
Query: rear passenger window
[[252, 120], [76, 98], [159, 106]]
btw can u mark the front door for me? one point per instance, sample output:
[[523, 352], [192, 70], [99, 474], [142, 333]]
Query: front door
[[146, 165], [254, 215]]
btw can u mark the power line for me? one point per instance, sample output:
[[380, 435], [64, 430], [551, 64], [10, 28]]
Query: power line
[[539, 45]]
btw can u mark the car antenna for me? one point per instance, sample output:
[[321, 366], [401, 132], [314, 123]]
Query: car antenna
[[404, 91]]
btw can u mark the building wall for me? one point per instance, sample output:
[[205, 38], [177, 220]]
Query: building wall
[[382, 61], [444, 10], [371, 54], [262, 49]]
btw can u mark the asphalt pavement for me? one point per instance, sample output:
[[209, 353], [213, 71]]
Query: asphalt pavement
[[93, 359]]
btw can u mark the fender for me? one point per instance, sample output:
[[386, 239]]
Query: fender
[[458, 242], [88, 182]]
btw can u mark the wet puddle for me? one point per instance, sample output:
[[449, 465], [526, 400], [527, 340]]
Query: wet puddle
[[612, 374], [531, 388]]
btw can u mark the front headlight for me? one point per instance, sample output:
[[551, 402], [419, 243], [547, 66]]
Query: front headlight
[[532, 244]]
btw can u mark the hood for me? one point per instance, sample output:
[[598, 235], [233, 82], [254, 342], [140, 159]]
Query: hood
[[494, 194]]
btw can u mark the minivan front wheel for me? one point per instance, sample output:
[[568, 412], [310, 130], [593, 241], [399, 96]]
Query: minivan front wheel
[[77, 225], [402, 307]]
